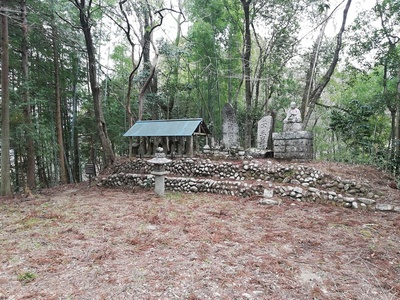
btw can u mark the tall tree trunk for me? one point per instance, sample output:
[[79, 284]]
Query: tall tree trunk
[[397, 127], [394, 107], [30, 147], [146, 62], [84, 16], [74, 133], [393, 117], [315, 94], [310, 75], [60, 142], [128, 110], [5, 103], [148, 28], [175, 72], [247, 72], [145, 87]]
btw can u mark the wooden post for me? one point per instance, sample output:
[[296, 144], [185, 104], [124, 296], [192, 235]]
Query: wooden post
[[191, 146]]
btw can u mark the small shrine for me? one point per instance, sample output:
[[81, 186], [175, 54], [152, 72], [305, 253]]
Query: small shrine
[[178, 137]]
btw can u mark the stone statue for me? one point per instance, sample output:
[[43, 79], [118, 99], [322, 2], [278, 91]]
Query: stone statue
[[293, 142], [293, 115]]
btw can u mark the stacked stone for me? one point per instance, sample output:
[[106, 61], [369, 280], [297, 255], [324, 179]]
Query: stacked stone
[[243, 189], [186, 185], [132, 166], [295, 174], [223, 170], [294, 181], [233, 188], [321, 196], [202, 168], [127, 180], [296, 145]]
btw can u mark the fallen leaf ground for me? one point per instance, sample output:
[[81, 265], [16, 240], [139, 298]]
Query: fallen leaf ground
[[76, 242]]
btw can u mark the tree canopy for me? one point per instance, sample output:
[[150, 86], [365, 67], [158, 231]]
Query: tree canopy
[[77, 74]]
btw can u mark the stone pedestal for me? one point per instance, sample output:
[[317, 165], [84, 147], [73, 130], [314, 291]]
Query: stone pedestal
[[293, 145], [289, 127], [159, 182]]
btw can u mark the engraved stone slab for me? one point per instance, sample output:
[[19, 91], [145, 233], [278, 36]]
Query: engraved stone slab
[[264, 133], [230, 128]]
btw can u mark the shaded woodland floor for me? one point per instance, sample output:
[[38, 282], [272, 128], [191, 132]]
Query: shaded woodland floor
[[76, 242]]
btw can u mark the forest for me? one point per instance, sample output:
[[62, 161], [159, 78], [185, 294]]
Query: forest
[[77, 74]]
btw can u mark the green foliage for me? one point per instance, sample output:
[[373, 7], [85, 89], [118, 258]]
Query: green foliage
[[359, 123], [354, 125], [121, 58], [198, 74], [219, 13], [213, 62], [323, 7], [26, 277]]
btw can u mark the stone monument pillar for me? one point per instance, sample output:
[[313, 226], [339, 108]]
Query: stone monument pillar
[[293, 142], [264, 132], [230, 128]]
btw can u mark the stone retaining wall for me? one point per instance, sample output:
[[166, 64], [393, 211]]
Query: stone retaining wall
[[247, 179], [186, 185], [243, 170]]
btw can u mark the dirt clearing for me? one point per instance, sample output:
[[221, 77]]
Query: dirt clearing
[[75, 242]]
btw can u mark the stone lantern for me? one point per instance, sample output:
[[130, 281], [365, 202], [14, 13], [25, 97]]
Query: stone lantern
[[159, 161]]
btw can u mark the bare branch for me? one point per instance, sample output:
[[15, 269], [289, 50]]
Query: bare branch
[[332, 107], [67, 21], [316, 93]]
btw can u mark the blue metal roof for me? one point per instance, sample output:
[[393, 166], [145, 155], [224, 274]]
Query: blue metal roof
[[181, 127]]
